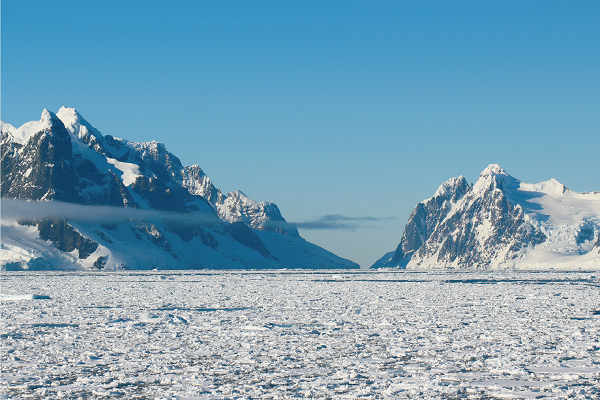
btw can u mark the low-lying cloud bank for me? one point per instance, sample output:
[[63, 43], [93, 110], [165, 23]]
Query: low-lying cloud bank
[[15, 210], [334, 222]]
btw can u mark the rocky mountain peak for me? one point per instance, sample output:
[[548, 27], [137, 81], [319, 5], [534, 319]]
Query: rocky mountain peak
[[453, 188], [501, 222], [263, 215], [77, 125], [238, 194], [494, 177], [22, 134], [47, 116], [492, 169]]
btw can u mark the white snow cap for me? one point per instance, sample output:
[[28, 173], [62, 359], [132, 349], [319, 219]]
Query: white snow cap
[[551, 187], [446, 186], [8, 128], [493, 169], [487, 177], [26, 131], [245, 199], [76, 124]]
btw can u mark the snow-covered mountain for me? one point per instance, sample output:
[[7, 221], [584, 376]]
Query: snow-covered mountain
[[501, 222], [63, 159]]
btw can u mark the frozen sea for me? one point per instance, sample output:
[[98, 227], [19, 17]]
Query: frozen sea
[[300, 334]]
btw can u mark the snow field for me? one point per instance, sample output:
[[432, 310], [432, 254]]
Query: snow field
[[316, 334]]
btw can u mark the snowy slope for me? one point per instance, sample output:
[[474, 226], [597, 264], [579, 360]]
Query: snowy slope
[[62, 158], [501, 222]]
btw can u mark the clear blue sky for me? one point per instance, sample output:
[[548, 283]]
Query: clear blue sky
[[324, 107]]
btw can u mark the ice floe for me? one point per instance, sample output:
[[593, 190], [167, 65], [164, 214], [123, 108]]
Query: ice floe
[[316, 334]]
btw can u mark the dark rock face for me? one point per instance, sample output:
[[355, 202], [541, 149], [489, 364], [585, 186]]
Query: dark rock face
[[243, 234], [466, 226], [100, 263], [426, 217], [585, 233], [196, 182], [159, 196], [42, 168], [65, 238]]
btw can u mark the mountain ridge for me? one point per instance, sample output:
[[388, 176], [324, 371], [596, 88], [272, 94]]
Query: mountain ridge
[[63, 158], [500, 222]]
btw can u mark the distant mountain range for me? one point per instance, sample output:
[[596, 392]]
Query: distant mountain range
[[61, 162], [73, 198], [500, 222]]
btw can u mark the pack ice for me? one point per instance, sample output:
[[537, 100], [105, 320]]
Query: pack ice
[[377, 334]]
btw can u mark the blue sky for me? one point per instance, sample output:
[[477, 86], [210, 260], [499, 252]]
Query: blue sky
[[328, 107]]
